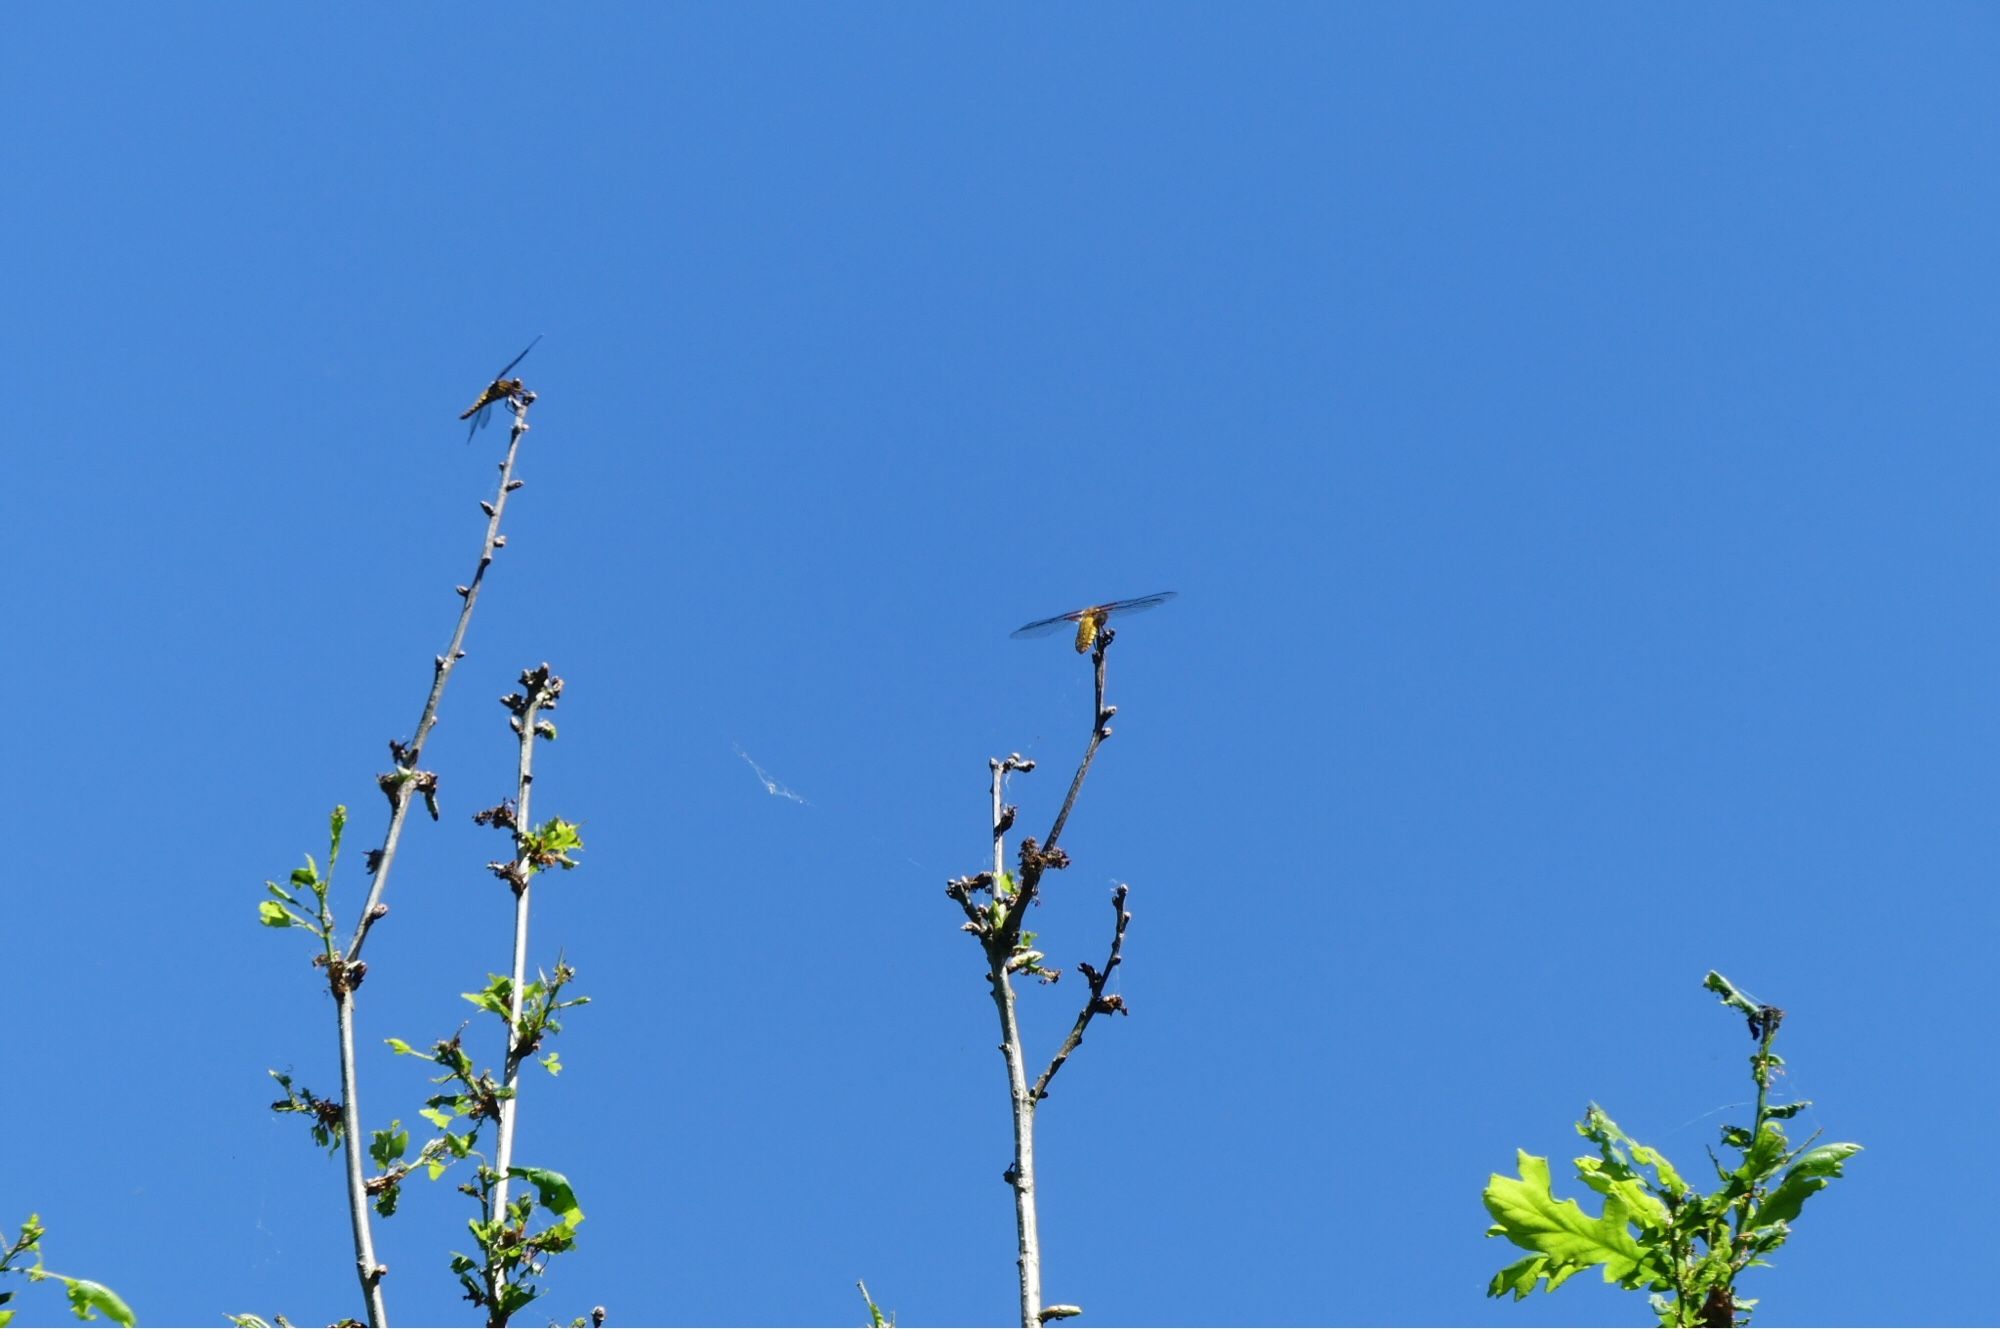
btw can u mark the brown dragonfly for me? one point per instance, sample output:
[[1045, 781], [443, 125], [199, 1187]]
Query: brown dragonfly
[[1090, 619], [501, 388]]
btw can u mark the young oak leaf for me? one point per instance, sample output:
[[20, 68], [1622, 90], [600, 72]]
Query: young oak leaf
[[1565, 1239], [1808, 1175]]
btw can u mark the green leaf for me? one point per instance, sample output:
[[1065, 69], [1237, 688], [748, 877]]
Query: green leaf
[[86, 1297], [274, 915], [441, 1120], [1731, 994], [552, 1064], [400, 1048], [1521, 1276], [1612, 1170], [1761, 1160], [552, 843], [515, 1296], [1668, 1180], [385, 1147], [1808, 1175], [494, 996], [876, 1320], [307, 876], [486, 1001], [6, 1318], [1532, 1218], [1629, 1191], [554, 1191]]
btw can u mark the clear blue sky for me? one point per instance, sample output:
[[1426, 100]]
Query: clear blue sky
[[1570, 431]]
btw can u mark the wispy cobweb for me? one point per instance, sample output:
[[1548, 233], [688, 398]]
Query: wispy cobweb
[[771, 787]]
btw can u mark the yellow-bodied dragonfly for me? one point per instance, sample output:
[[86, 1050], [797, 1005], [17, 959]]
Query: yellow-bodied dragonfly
[[1090, 619], [500, 389]]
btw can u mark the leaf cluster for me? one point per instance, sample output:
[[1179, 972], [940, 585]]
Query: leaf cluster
[[509, 1248], [324, 1114], [286, 908], [1655, 1232], [997, 922], [541, 1002], [469, 1098]]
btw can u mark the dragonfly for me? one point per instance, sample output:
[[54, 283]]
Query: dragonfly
[[1091, 618], [500, 389]]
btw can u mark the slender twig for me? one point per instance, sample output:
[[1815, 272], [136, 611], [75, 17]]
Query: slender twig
[[408, 754], [345, 973], [1003, 815], [1036, 859], [1099, 732], [1021, 1174], [1097, 1001], [367, 1267], [540, 690]]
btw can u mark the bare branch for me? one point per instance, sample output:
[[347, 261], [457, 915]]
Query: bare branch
[[1097, 1001], [1034, 861], [406, 755], [962, 890], [1100, 731], [1003, 816]]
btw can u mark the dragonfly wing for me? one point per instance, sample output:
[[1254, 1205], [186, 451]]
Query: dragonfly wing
[[1139, 602], [522, 356], [1043, 627]]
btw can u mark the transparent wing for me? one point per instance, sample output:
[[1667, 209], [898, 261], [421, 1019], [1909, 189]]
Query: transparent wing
[[522, 356], [1043, 627], [478, 421], [1137, 603]]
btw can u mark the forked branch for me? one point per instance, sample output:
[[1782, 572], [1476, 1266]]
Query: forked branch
[[406, 780], [1036, 859], [1097, 1003]]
